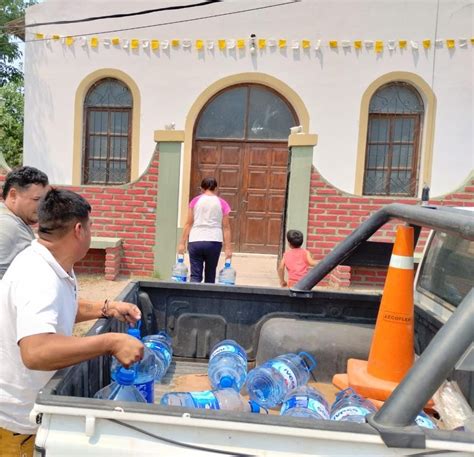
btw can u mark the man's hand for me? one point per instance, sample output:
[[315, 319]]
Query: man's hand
[[181, 248], [126, 348], [283, 284], [123, 311]]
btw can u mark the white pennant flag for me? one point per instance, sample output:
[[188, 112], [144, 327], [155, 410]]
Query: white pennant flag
[[439, 43], [391, 45], [462, 42], [145, 44], [125, 44], [106, 42], [47, 40], [165, 44], [369, 44], [63, 39], [295, 45], [414, 44], [83, 41], [317, 45], [271, 43], [210, 44], [345, 43], [230, 44], [186, 43]]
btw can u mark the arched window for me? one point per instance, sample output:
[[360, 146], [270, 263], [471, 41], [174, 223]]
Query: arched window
[[246, 112], [107, 141], [393, 141]]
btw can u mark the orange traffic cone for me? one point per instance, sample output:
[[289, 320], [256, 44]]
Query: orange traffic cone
[[392, 350]]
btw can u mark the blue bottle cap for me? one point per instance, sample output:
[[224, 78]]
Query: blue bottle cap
[[254, 407], [125, 377], [225, 382], [227, 263], [135, 332]]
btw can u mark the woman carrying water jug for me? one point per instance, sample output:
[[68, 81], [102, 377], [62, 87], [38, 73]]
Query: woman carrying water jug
[[206, 228]]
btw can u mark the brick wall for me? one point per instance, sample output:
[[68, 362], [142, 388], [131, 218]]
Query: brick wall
[[333, 215]]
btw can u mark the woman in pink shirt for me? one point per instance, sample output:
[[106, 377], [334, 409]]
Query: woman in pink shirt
[[296, 261], [206, 228]]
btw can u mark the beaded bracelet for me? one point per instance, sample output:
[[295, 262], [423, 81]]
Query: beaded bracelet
[[105, 309]]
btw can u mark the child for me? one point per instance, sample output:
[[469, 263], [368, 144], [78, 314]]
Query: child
[[297, 260]]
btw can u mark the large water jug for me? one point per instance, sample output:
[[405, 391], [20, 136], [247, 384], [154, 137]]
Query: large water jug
[[351, 407], [145, 370], [227, 274], [269, 383], [227, 365], [305, 401], [225, 399], [179, 273], [161, 345], [122, 389]]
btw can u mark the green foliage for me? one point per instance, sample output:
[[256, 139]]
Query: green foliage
[[9, 50], [11, 122]]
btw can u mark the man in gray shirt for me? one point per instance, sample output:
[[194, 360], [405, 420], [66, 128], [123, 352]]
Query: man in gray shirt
[[22, 191]]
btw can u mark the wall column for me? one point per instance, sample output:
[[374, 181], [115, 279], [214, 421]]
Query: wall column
[[301, 160], [169, 144]]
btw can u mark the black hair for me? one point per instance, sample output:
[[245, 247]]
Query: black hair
[[22, 178], [208, 183], [59, 209], [295, 238]]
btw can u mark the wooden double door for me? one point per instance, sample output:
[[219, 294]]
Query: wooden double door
[[252, 178]]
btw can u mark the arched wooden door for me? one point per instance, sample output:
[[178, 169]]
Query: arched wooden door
[[241, 138]]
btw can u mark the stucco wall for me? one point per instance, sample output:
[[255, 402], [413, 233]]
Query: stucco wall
[[330, 82]]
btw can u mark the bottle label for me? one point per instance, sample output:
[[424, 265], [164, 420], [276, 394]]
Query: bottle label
[[229, 348], [287, 373], [426, 422], [349, 411], [205, 400], [303, 401], [177, 278], [146, 389]]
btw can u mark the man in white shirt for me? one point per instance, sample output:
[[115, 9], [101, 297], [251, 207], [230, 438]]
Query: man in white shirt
[[39, 306], [22, 190]]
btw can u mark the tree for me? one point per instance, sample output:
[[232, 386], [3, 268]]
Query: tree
[[11, 122]]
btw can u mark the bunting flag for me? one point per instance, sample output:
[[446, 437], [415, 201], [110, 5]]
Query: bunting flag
[[375, 46]]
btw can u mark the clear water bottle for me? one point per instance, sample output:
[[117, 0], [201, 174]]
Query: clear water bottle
[[145, 370], [225, 399], [161, 345], [179, 273], [227, 275], [227, 365], [122, 389], [305, 401], [351, 407], [271, 382], [423, 420]]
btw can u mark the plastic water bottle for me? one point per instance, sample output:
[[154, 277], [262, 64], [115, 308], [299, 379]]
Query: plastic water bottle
[[305, 401], [423, 420], [161, 346], [351, 407], [227, 275], [122, 389], [227, 365], [271, 382], [179, 273], [225, 399], [145, 370]]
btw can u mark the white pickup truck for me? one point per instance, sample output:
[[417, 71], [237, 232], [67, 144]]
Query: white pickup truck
[[331, 325]]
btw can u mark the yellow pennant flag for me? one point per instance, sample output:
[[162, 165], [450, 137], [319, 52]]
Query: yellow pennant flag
[[262, 42], [426, 44], [94, 42], [55, 37], [378, 46], [305, 44], [175, 43], [134, 43], [358, 44], [39, 36], [222, 44], [472, 41], [333, 44], [199, 45], [450, 44], [402, 44], [155, 44], [282, 43], [69, 40], [115, 41], [241, 43]]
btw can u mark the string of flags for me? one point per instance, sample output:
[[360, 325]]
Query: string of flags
[[252, 44]]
